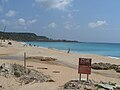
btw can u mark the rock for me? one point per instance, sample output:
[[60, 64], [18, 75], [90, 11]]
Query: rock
[[91, 85], [27, 80], [9, 43], [56, 71], [29, 66], [118, 69], [101, 66], [106, 66], [89, 88], [70, 85], [2, 88], [41, 68], [74, 85], [17, 74], [116, 88], [19, 68], [113, 66], [50, 80], [42, 58], [24, 75]]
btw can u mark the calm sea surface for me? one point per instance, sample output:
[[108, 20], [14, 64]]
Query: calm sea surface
[[105, 49]]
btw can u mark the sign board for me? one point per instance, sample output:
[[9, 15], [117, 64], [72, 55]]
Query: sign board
[[84, 66]]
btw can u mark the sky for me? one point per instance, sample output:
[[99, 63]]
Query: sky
[[81, 20]]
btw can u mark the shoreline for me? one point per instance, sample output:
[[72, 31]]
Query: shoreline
[[73, 52]]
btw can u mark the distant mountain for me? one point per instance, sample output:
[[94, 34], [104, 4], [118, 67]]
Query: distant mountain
[[26, 37]]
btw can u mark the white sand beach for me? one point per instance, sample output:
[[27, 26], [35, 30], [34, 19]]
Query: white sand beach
[[67, 68]]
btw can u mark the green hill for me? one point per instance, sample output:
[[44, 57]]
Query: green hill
[[27, 37]]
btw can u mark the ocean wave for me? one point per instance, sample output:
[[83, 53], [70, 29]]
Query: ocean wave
[[114, 57]]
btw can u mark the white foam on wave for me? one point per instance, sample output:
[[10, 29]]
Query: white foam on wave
[[114, 57], [23, 43]]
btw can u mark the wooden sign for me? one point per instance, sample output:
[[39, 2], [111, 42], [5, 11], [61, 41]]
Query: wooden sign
[[84, 66]]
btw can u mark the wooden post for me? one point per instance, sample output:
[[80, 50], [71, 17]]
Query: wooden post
[[1, 40], [79, 78], [87, 77], [24, 60]]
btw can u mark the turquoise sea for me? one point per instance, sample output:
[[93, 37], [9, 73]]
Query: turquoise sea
[[105, 49]]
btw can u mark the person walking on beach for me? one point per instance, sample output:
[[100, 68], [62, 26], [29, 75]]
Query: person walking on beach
[[68, 50]]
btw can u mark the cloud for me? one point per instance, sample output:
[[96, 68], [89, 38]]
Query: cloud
[[11, 13], [20, 23], [5, 22], [67, 16], [32, 21], [55, 4], [52, 25], [71, 26], [97, 24]]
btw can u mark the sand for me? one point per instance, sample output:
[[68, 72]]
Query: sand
[[67, 70]]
